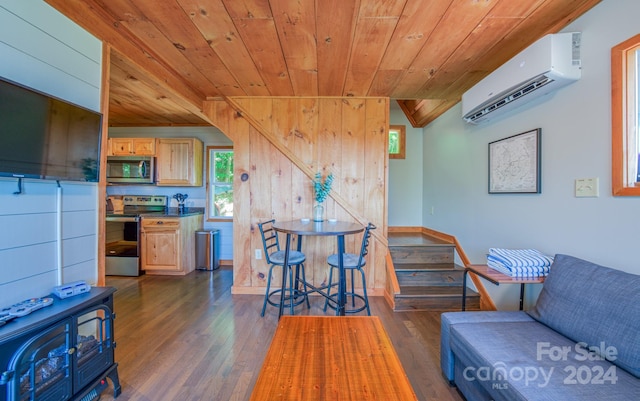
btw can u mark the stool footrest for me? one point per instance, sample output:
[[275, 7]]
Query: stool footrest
[[332, 302]]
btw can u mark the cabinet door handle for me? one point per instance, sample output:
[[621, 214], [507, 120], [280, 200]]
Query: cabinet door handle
[[71, 350], [160, 222]]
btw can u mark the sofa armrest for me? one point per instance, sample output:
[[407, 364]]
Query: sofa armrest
[[448, 319]]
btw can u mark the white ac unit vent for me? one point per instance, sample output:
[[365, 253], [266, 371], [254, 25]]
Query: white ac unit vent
[[547, 65]]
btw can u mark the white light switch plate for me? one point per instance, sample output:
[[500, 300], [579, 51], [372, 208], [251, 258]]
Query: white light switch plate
[[586, 187]]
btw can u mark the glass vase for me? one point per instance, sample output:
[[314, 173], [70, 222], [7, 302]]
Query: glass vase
[[318, 212]]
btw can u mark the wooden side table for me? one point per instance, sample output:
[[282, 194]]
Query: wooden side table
[[497, 278]]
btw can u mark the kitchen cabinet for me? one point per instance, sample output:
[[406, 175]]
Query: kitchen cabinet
[[179, 162], [167, 244], [132, 146]]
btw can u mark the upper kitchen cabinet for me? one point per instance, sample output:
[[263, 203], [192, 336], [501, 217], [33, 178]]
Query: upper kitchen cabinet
[[179, 162], [132, 146]]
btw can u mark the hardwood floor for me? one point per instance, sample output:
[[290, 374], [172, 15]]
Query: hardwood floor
[[188, 338]]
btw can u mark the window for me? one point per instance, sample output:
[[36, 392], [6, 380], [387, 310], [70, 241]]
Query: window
[[220, 162], [625, 117], [397, 142]]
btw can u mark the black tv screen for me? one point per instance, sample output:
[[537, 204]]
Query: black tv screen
[[48, 138]]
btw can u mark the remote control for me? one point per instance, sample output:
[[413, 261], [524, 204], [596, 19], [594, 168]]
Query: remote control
[[5, 319], [25, 307], [41, 303], [5, 311]]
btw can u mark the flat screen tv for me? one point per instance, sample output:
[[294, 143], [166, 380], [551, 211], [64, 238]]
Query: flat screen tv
[[47, 138]]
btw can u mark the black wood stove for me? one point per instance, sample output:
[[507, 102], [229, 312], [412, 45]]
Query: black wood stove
[[61, 352]]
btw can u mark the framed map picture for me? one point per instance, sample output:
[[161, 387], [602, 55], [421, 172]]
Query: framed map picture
[[514, 164]]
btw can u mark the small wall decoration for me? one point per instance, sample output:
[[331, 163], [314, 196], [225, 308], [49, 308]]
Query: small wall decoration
[[514, 164]]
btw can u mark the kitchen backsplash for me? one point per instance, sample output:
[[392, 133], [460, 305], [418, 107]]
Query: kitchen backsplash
[[197, 197]]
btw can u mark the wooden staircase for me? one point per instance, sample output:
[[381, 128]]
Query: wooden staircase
[[428, 277]]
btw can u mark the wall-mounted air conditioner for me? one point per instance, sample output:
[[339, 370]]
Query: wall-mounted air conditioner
[[547, 65]]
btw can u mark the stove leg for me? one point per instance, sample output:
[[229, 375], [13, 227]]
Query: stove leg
[[113, 375]]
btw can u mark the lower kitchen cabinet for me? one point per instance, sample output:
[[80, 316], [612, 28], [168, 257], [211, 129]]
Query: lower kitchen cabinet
[[167, 244]]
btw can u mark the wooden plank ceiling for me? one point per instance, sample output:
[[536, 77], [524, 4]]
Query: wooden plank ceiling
[[170, 55]]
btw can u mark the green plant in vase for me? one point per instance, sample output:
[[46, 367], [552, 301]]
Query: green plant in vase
[[321, 187]]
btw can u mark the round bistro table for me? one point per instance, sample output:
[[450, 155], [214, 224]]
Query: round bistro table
[[319, 228]]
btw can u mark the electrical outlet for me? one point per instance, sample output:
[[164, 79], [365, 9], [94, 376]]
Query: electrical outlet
[[258, 254]]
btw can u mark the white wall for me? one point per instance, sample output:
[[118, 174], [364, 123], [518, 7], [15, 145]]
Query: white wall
[[405, 176], [42, 49], [576, 143], [211, 136]]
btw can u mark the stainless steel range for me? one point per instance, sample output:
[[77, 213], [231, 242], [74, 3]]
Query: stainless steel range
[[122, 233]]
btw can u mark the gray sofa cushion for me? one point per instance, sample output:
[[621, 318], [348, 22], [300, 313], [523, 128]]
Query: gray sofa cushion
[[448, 319], [526, 355], [595, 305]]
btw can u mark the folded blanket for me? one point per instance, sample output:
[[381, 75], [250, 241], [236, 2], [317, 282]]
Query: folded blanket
[[519, 262], [538, 271]]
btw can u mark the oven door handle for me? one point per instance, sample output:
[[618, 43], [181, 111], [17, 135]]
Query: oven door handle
[[122, 219]]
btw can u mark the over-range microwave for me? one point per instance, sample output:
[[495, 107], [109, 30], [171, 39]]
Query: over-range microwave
[[130, 170]]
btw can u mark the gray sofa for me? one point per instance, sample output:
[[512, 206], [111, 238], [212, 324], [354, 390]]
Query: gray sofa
[[581, 341]]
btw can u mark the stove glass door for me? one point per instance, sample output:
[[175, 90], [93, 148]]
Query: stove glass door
[[43, 366]]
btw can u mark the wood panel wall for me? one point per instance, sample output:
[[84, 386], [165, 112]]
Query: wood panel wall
[[280, 143]]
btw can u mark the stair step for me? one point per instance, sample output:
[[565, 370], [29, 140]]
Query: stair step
[[432, 291], [430, 277], [434, 298], [399, 239], [409, 267], [421, 254]]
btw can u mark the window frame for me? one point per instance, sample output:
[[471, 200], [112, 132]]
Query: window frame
[[210, 183], [624, 119], [401, 130]]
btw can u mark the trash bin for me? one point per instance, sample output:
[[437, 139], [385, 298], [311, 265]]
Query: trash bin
[[207, 249]]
